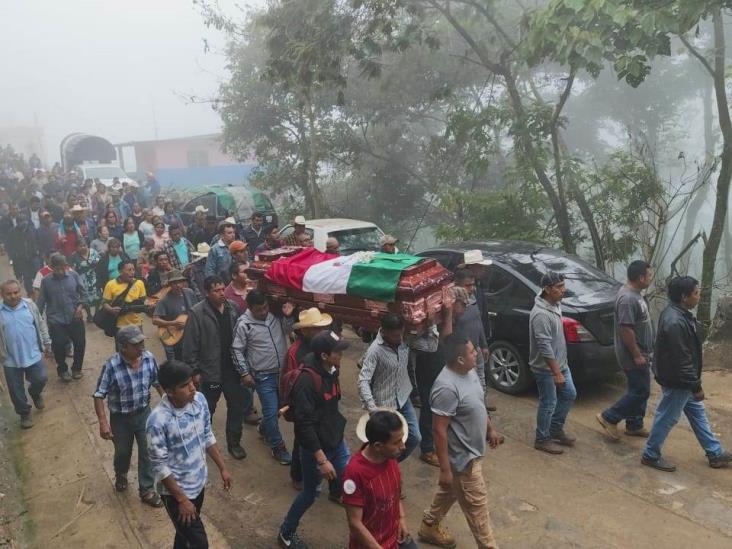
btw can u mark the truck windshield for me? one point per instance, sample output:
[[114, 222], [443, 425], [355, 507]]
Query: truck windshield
[[104, 172], [358, 240]]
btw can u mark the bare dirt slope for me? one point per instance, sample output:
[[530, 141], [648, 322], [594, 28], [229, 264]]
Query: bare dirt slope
[[597, 495]]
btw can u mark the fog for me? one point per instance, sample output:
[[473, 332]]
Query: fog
[[115, 69]]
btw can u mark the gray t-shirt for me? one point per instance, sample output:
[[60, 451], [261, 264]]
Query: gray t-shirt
[[172, 306], [460, 397], [632, 310]]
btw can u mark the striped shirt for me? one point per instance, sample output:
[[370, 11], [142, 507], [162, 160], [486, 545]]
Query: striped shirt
[[375, 488], [384, 379], [127, 390]]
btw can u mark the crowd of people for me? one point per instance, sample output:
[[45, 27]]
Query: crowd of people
[[117, 254]]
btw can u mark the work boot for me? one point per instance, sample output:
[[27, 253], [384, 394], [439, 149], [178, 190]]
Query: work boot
[[722, 460], [77, 374], [120, 483], [642, 432], [660, 464], [38, 402], [237, 451], [435, 534], [281, 454], [563, 438], [430, 458], [65, 377], [26, 422], [611, 430], [548, 446]]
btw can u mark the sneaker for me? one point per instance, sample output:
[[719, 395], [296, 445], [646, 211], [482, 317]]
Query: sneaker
[[563, 438], [237, 451], [120, 483], [152, 499], [548, 446], [26, 422], [77, 374], [611, 430], [253, 418], [642, 432], [281, 454], [722, 460], [435, 534], [65, 377], [39, 403], [430, 458], [292, 541], [660, 464]]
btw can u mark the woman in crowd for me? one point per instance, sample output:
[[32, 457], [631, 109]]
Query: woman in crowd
[[112, 222], [99, 244], [137, 214], [132, 239], [108, 266], [146, 226], [85, 262], [160, 236], [69, 235]]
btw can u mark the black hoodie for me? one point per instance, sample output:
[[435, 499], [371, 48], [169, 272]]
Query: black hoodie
[[319, 425]]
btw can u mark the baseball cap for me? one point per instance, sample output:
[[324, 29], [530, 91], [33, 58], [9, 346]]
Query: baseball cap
[[327, 342], [388, 239], [130, 334]]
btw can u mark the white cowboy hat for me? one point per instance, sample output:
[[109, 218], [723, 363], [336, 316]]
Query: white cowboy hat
[[201, 208], [77, 208], [313, 318], [202, 250], [300, 220], [363, 420]]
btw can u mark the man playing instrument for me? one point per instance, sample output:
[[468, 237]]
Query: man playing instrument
[[171, 313]]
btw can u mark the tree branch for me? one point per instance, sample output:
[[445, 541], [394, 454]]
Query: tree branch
[[693, 51]]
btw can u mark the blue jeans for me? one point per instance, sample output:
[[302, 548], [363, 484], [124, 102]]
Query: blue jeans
[[36, 376], [668, 412], [413, 437], [554, 403], [267, 387], [127, 429], [632, 405], [311, 479]]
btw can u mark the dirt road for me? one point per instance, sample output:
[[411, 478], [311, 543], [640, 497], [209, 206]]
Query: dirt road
[[596, 495]]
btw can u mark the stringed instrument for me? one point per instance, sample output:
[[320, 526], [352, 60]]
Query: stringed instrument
[[170, 335], [152, 300]]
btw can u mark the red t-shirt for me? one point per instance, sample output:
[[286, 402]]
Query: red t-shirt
[[375, 487], [237, 299]]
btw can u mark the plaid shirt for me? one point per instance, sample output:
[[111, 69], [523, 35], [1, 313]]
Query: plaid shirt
[[127, 390], [169, 249], [384, 379]]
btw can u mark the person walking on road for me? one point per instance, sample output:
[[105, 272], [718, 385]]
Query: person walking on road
[[24, 340], [372, 485], [62, 299], [634, 352], [260, 353], [319, 427], [678, 369], [548, 361], [461, 427], [125, 382], [207, 342], [383, 381], [168, 312], [179, 437], [124, 296]]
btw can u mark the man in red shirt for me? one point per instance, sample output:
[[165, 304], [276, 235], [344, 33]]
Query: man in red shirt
[[371, 485]]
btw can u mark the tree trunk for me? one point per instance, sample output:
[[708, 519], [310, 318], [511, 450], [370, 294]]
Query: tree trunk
[[313, 156], [719, 221], [525, 145]]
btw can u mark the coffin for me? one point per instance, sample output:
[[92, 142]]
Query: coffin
[[418, 297]]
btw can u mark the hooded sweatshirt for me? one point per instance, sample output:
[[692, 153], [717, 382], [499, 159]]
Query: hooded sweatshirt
[[177, 440], [260, 346], [546, 335]]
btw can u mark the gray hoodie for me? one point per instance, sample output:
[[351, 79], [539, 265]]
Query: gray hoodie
[[260, 346], [546, 335]]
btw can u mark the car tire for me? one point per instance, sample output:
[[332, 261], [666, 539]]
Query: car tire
[[506, 369]]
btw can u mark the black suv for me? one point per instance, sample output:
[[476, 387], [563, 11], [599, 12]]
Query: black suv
[[508, 281]]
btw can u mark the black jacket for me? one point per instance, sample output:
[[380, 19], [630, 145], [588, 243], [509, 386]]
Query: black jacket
[[678, 355], [102, 269], [319, 425]]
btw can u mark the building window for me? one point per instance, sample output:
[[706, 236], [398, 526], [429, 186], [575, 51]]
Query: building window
[[197, 159]]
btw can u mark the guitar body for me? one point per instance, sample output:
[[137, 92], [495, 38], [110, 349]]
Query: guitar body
[[170, 335]]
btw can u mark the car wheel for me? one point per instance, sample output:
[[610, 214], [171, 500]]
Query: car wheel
[[507, 371]]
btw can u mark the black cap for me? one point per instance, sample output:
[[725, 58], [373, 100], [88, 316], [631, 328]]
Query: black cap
[[327, 342], [550, 278]]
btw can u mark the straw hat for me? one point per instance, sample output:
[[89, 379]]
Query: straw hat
[[175, 276], [202, 250], [77, 208], [313, 318], [363, 420]]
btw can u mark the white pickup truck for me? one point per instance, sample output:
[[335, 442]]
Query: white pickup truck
[[352, 234]]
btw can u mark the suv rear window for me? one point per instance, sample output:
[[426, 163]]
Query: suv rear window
[[580, 278], [358, 240]]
